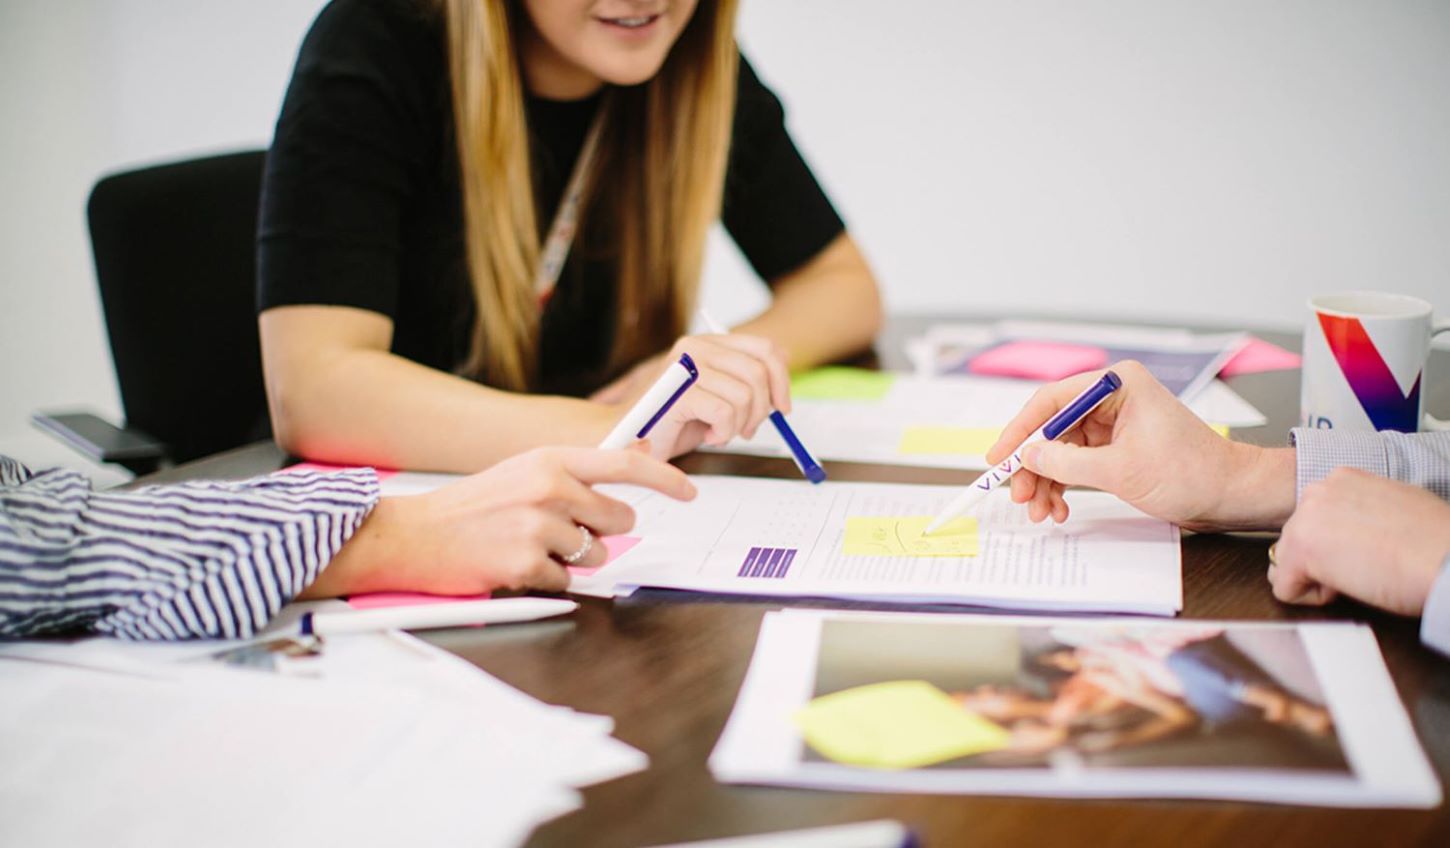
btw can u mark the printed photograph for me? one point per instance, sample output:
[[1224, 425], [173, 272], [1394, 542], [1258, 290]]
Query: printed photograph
[[965, 695]]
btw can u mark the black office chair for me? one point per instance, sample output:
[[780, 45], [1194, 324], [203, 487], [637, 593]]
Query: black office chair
[[175, 249]]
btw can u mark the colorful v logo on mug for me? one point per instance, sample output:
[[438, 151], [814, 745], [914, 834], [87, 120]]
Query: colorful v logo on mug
[[1369, 377], [1365, 355]]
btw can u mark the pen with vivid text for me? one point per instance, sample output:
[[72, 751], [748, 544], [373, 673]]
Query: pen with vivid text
[[1067, 418], [803, 459], [652, 406]]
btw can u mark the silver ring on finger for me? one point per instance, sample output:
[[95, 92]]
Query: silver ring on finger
[[586, 543]]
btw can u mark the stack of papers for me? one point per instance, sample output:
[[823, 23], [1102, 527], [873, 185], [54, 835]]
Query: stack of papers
[[1184, 361], [386, 740], [1067, 346], [1275, 713], [788, 538], [751, 536]]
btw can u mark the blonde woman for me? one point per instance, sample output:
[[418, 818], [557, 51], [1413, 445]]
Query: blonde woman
[[483, 225]]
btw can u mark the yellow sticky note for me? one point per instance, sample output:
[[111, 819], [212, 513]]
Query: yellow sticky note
[[837, 382], [1221, 429], [895, 725], [901, 535], [968, 441]]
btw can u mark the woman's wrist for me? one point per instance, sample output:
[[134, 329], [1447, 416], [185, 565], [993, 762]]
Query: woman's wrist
[[363, 563], [564, 420]]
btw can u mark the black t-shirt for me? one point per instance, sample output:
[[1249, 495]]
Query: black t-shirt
[[361, 203]]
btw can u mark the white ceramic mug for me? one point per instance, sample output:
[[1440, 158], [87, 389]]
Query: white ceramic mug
[[1364, 362]]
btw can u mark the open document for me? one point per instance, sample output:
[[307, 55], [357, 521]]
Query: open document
[[889, 418], [1276, 713], [753, 536]]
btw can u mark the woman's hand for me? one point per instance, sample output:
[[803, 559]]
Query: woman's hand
[[634, 383], [1143, 445], [741, 379], [506, 528], [1377, 540]]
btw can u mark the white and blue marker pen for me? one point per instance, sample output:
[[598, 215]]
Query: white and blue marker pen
[[652, 406], [803, 459], [1067, 418]]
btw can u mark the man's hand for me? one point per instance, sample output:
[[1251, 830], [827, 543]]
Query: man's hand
[[1143, 445], [1376, 540]]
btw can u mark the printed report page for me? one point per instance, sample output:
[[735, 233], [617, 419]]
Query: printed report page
[[781, 537]]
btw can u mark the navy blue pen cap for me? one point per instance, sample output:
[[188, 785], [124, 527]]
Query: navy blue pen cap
[[689, 365], [1078, 408]]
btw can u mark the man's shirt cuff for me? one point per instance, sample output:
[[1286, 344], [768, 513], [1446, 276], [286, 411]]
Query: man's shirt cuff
[[1435, 623]]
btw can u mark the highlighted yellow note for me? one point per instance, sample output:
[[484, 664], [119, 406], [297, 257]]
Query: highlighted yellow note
[[896, 725], [901, 536], [966, 441], [837, 382]]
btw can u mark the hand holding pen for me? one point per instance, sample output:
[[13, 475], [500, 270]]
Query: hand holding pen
[[1144, 446], [1004, 467], [798, 453], [740, 379]]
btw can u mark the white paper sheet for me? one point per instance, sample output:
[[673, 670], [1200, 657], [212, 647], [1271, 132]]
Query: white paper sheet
[[383, 740], [1219, 404], [1108, 557], [1382, 763], [234, 758], [872, 431]]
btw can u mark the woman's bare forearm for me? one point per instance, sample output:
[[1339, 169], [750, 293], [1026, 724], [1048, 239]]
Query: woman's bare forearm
[[376, 408], [337, 395], [827, 310]]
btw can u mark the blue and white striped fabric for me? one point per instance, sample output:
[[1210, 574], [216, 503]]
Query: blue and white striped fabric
[[1420, 459], [204, 559]]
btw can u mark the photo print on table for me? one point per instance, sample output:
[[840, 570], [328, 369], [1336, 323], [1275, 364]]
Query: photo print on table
[[1084, 696]]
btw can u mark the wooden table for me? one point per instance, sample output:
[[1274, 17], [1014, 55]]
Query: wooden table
[[667, 667]]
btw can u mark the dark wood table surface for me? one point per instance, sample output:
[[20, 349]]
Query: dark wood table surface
[[667, 667]]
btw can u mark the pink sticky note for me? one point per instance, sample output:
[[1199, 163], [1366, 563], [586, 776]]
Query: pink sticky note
[[1257, 356], [378, 600], [324, 467], [1034, 360], [616, 546]]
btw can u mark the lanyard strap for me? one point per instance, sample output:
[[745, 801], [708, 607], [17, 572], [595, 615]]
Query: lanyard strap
[[566, 219]]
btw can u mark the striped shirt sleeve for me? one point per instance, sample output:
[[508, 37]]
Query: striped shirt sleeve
[[189, 560]]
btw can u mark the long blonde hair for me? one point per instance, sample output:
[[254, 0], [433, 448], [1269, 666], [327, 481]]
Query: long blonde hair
[[655, 190]]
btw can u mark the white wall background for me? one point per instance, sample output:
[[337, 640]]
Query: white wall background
[[1161, 159]]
